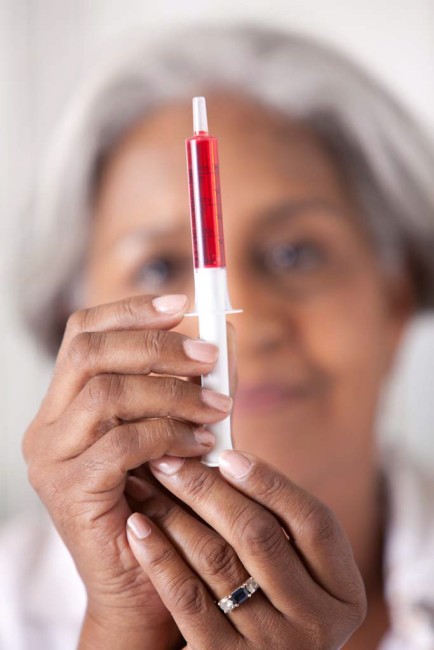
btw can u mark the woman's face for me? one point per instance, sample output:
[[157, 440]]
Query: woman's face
[[320, 321]]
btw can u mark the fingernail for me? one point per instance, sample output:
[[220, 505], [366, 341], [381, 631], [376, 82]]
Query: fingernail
[[139, 526], [216, 400], [167, 464], [204, 436], [235, 463], [170, 304], [201, 350]]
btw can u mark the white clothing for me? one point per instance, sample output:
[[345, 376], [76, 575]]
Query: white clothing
[[409, 556], [42, 599]]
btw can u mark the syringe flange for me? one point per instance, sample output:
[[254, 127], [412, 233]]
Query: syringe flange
[[226, 312]]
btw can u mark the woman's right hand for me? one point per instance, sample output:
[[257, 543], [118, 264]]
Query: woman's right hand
[[106, 413]]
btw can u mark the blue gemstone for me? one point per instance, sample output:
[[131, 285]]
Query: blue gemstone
[[240, 595]]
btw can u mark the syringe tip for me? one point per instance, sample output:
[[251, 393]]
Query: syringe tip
[[200, 120]]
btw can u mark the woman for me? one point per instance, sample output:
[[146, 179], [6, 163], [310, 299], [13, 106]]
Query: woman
[[329, 227]]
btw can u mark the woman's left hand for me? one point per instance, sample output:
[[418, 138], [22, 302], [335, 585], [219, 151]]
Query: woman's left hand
[[311, 594]]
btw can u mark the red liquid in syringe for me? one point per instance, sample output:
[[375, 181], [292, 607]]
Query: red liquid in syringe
[[205, 201]]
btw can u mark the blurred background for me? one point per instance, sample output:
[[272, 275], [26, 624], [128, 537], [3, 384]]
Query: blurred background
[[46, 46]]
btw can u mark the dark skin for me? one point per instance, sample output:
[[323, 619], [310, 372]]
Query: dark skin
[[321, 319]]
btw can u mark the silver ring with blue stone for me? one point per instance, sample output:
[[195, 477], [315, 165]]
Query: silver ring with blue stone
[[239, 596]]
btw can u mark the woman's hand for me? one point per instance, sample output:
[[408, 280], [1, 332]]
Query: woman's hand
[[104, 415], [311, 594]]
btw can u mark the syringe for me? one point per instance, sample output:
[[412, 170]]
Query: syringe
[[212, 299]]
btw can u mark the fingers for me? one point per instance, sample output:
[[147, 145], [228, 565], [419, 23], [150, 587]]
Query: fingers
[[149, 351], [184, 594], [157, 351], [132, 314], [110, 400], [104, 465], [312, 526], [207, 553], [256, 534]]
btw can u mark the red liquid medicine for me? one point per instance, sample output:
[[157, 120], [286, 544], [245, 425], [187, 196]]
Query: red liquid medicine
[[205, 201]]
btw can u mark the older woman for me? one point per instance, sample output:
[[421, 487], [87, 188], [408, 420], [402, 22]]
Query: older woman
[[329, 227]]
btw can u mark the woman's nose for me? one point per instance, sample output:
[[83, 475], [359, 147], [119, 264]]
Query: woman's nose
[[264, 326]]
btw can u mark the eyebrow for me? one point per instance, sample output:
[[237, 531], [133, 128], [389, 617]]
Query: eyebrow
[[145, 234], [281, 211]]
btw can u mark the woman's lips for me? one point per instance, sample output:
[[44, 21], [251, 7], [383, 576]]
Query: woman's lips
[[267, 397]]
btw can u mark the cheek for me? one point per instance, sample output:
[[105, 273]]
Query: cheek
[[349, 334], [345, 338], [99, 286]]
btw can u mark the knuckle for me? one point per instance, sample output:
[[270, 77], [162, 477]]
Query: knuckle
[[151, 436], [319, 524], [34, 475], [126, 310], [45, 482], [86, 347], [357, 609], [157, 432], [201, 483], [260, 532], [39, 437], [162, 433], [173, 390], [104, 389], [170, 388], [152, 343], [77, 320], [319, 634], [361, 603], [270, 487], [125, 439], [221, 560], [188, 596], [160, 562], [169, 428]]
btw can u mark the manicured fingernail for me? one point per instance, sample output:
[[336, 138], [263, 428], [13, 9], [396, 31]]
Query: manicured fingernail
[[216, 400], [167, 464], [235, 463], [201, 350], [170, 304], [139, 526], [204, 436]]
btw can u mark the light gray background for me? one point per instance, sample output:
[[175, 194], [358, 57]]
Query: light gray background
[[45, 48]]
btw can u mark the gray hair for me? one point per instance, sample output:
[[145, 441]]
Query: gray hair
[[388, 162]]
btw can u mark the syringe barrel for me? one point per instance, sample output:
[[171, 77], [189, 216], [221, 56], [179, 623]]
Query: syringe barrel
[[211, 300], [205, 201]]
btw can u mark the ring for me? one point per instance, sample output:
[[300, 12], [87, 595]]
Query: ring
[[239, 596]]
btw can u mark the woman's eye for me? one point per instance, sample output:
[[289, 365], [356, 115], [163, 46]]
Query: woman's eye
[[158, 272], [293, 257]]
